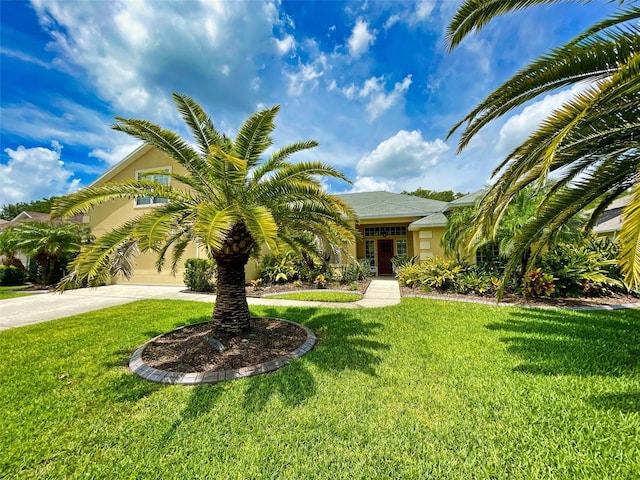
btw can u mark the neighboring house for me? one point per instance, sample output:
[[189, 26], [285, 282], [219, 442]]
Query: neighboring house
[[389, 223], [610, 222]]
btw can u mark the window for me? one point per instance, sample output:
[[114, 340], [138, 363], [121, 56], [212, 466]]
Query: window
[[384, 231], [370, 252], [162, 179], [401, 247], [488, 255]]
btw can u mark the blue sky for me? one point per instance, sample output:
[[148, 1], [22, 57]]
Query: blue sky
[[370, 81]]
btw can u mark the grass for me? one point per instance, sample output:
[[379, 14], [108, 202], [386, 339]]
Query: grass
[[424, 389], [320, 296], [13, 292]]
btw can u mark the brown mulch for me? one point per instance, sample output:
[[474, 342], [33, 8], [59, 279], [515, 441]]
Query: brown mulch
[[188, 349], [290, 287], [519, 300]]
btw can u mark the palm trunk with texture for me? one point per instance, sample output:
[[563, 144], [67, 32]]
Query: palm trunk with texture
[[231, 312]]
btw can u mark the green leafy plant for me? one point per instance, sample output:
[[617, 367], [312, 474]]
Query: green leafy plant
[[12, 276], [200, 274], [538, 284]]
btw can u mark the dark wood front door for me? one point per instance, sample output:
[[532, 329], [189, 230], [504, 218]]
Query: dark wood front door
[[385, 252]]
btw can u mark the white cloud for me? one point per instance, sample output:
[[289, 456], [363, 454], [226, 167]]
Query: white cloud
[[518, 127], [35, 173], [136, 53], [380, 101], [361, 39], [405, 155], [286, 45], [370, 184], [391, 21], [424, 9], [115, 154], [306, 76]]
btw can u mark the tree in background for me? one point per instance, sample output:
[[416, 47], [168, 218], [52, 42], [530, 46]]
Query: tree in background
[[235, 202], [49, 245], [11, 211], [591, 144], [443, 196]]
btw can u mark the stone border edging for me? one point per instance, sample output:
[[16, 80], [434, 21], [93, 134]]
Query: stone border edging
[[137, 365]]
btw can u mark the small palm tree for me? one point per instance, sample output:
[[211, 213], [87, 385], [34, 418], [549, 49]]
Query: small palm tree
[[48, 244], [233, 203], [591, 143]]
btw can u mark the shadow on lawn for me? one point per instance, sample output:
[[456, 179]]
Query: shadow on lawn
[[555, 342], [342, 344]]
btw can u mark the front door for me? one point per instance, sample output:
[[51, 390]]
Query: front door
[[385, 252]]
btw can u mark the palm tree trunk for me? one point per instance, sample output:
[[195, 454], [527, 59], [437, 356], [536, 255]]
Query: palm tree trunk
[[231, 312]]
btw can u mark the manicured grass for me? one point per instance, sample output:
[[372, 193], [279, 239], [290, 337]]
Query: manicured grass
[[13, 292], [320, 296], [424, 389]]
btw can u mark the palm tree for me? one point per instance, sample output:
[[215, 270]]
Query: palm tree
[[49, 244], [233, 204], [590, 144]]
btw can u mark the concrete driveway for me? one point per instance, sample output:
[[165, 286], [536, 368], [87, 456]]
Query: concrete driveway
[[20, 311]]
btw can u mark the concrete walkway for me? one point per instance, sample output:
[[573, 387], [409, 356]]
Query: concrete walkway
[[17, 312]]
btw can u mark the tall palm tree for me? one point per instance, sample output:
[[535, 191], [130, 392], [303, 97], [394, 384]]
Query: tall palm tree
[[590, 144], [233, 204]]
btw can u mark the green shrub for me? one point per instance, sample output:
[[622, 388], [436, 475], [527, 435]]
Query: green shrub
[[353, 272], [588, 269], [278, 268], [200, 274], [10, 276]]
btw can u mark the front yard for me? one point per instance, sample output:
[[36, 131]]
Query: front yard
[[425, 389]]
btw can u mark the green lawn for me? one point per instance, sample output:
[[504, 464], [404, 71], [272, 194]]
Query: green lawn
[[320, 296], [424, 389], [13, 292]]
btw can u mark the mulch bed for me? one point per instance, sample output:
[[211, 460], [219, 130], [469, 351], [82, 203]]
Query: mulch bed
[[519, 300], [291, 288], [188, 349]]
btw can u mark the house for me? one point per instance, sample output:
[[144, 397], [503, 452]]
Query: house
[[610, 222], [389, 223]]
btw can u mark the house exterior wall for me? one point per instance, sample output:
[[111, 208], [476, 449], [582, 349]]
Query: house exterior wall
[[427, 242], [105, 217]]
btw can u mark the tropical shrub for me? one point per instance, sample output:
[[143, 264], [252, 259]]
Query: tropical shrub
[[200, 274], [588, 269], [353, 272], [278, 268], [11, 275], [536, 283]]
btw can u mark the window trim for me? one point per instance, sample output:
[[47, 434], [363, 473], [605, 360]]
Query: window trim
[[151, 203]]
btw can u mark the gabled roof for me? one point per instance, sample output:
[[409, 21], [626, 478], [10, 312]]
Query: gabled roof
[[611, 219], [369, 205], [122, 164], [434, 220], [31, 217], [468, 200]]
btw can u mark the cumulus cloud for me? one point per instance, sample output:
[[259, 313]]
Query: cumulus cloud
[[370, 184], [35, 173], [361, 39], [405, 155], [518, 127], [136, 53]]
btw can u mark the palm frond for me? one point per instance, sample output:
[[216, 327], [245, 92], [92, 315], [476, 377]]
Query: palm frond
[[198, 122], [254, 136], [212, 224]]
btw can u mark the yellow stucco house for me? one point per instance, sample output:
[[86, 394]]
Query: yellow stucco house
[[389, 223]]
